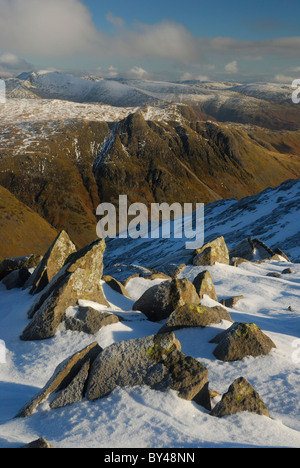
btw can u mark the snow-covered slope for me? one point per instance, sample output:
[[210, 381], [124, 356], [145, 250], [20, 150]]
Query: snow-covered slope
[[272, 216]]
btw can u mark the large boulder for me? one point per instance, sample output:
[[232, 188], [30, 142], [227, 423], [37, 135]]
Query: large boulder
[[40, 443], [78, 279], [194, 315], [116, 285], [63, 376], [211, 253], [204, 285], [241, 340], [240, 396], [155, 361], [53, 260], [159, 301]]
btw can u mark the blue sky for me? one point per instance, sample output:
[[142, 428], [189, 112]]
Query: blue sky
[[159, 39]]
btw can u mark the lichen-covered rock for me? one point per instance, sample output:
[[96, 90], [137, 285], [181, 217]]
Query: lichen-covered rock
[[63, 375], [155, 361], [240, 396], [159, 301], [212, 252], [241, 340], [204, 285], [194, 315], [53, 260], [78, 279], [89, 320]]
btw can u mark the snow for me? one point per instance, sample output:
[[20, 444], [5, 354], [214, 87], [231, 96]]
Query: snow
[[139, 417]]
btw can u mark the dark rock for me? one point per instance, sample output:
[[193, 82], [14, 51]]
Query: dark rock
[[89, 320], [74, 392], [16, 279], [194, 315], [155, 361], [241, 340], [231, 301], [11, 264], [204, 285], [287, 271], [62, 377], [274, 275], [240, 396], [159, 301]]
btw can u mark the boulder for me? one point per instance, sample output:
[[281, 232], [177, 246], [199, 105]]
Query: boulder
[[63, 375], [274, 274], [204, 285], [231, 301], [212, 252], [78, 279], [12, 264], [39, 443], [253, 250], [115, 285], [155, 361], [74, 392], [16, 279], [287, 271], [53, 260], [241, 340], [194, 315], [159, 301], [89, 320], [240, 396]]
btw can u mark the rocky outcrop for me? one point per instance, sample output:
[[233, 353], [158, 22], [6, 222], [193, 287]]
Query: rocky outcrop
[[53, 260], [231, 301], [63, 376], [204, 285], [89, 320], [194, 315], [78, 279], [212, 252], [240, 396], [159, 301], [155, 361], [241, 340]]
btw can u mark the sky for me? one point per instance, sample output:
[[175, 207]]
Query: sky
[[158, 39]]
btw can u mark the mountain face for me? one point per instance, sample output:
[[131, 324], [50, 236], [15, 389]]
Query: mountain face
[[68, 143]]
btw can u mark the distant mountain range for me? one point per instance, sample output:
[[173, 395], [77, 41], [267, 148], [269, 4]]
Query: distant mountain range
[[67, 143]]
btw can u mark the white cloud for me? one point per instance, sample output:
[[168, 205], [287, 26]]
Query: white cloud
[[115, 20], [232, 67], [12, 63], [137, 73], [280, 78], [43, 28]]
